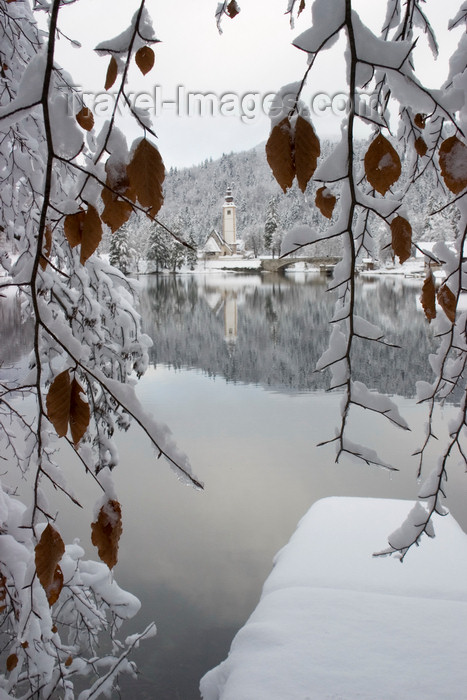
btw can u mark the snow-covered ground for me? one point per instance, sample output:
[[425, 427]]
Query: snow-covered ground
[[336, 623]]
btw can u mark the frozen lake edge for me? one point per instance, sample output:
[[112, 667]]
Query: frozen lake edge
[[335, 622]]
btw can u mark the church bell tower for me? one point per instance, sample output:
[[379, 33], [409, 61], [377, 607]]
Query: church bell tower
[[229, 224]]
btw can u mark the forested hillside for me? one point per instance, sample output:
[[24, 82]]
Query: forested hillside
[[194, 197]]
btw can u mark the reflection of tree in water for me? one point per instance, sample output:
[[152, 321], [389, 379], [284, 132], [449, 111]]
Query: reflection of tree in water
[[283, 328]]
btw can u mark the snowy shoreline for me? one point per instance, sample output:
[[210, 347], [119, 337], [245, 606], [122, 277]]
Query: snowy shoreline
[[333, 622]]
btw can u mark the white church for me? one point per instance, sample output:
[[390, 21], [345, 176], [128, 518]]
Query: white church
[[221, 245]]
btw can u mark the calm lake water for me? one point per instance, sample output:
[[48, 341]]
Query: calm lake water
[[232, 375]]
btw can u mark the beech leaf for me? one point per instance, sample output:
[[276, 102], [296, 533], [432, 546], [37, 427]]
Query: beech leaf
[[73, 228], [382, 164], [279, 154], [307, 150], [453, 163], [116, 211], [145, 58], [91, 233], [419, 120], [146, 174], [428, 297], [58, 403], [79, 412], [106, 532], [301, 8], [12, 660], [85, 119], [401, 238], [48, 552], [112, 72], [447, 301], [54, 589], [3, 592], [420, 146], [232, 9], [325, 201]]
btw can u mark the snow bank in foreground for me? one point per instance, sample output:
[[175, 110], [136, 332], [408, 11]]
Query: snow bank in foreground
[[335, 623]]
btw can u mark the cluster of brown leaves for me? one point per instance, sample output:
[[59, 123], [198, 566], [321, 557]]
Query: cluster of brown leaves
[[144, 59], [293, 150], [65, 407], [445, 298], [139, 181]]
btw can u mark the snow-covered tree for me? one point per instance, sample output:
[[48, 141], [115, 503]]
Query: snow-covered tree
[[356, 190], [192, 253], [270, 226], [158, 248], [63, 184], [119, 252]]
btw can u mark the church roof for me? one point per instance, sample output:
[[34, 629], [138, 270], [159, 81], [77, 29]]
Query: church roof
[[215, 244]]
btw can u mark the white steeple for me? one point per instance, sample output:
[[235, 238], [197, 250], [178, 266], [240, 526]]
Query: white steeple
[[229, 224]]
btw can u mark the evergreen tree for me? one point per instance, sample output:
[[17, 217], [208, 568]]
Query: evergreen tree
[[192, 253], [271, 225], [158, 248], [119, 253]]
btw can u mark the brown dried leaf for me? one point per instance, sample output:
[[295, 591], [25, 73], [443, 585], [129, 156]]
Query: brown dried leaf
[[49, 550], [85, 119], [453, 163], [73, 228], [79, 412], [145, 58], [3, 592], [47, 247], [279, 154], [106, 532], [12, 660], [146, 174], [428, 297], [447, 301], [420, 146], [232, 9], [325, 201], [116, 211], [91, 233], [112, 72], [54, 589], [419, 120], [69, 661], [301, 8], [382, 164], [307, 150], [58, 403], [401, 238]]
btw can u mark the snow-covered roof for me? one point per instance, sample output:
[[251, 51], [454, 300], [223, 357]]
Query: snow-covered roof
[[215, 244], [211, 246], [335, 622]]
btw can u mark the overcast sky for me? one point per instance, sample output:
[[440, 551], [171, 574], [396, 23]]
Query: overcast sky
[[253, 56]]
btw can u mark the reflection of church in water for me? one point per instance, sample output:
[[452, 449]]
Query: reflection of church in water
[[220, 246], [223, 303]]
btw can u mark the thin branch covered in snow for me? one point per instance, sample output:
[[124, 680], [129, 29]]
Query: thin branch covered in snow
[[359, 189], [62, 187]]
